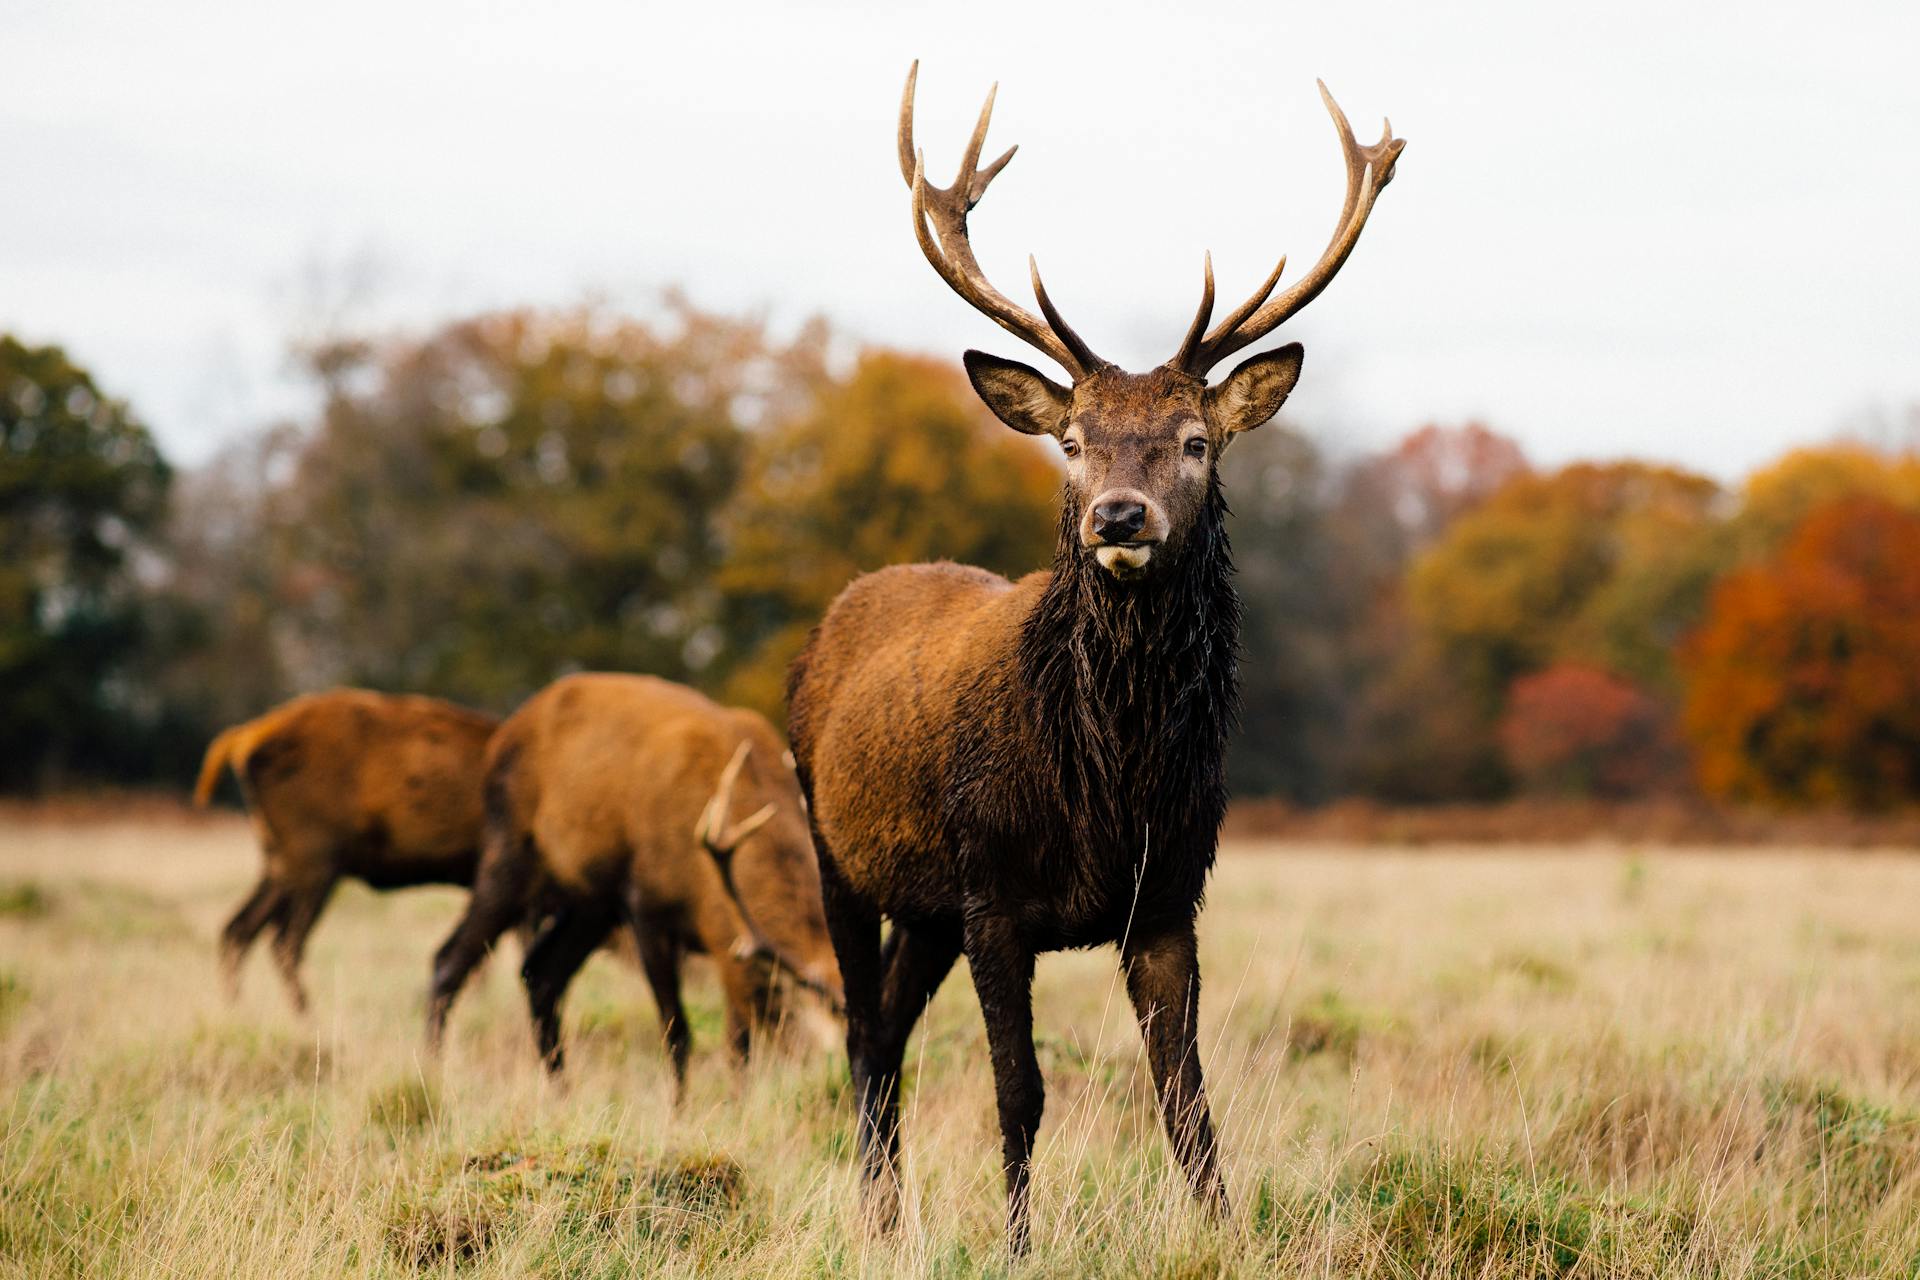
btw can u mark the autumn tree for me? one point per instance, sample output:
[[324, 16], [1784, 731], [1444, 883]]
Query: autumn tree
[[1398, 502], [1416, 732], [1802, 684], [1575, 729], [1539, 573], [1411, 727], [1776, 498], [83, 487], [896, 462]]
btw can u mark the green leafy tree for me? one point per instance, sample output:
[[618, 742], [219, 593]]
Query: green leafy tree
[[83, 488]]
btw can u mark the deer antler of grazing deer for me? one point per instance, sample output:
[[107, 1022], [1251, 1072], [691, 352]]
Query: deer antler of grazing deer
[[950, 252], [721, 841], [1368, 170], [712, 830]]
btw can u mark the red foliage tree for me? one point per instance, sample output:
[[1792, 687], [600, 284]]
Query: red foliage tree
[[1803, 683], [1404, 498], [1578, 729]]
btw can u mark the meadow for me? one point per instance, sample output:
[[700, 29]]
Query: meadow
[[1517, 1062]]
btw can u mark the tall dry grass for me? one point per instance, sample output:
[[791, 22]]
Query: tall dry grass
[[1502, 1064]]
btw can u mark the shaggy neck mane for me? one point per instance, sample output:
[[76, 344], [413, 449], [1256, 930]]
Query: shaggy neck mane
[[1136, 687]]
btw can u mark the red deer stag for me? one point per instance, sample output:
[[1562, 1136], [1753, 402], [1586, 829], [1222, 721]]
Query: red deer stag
[[1004, 768], [376, 786], [616, 798]]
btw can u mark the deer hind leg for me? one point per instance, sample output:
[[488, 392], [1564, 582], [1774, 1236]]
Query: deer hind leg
[[1002, 966], [237, 938], [1163, 981], [563, 945], [660, 960], [301, 903], [499, 902]]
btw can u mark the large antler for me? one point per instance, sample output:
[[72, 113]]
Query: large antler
[[951, 253], [1368, 170], [721, 841]]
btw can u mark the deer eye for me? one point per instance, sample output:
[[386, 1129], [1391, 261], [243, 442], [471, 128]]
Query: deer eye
[[1197, 447], [1070, 447]]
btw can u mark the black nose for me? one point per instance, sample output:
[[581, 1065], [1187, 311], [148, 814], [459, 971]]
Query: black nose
[[1118, 520]]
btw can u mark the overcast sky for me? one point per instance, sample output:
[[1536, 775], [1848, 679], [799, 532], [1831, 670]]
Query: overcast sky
[[1678, 231]]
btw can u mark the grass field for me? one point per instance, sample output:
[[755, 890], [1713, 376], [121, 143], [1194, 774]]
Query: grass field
[[1528, 1063]]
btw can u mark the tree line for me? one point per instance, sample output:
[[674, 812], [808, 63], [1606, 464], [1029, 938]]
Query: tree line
[[474, 511]]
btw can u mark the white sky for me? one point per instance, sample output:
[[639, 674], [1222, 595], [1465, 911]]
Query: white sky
[[1674, 230]]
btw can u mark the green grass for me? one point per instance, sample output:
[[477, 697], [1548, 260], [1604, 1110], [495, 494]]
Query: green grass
[[23, 900], [1443, 1063]]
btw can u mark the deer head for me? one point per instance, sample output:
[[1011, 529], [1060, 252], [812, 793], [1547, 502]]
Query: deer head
[[1141, 448], [722, 840]]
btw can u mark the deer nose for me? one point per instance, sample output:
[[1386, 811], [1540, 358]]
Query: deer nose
[[1118, 519]]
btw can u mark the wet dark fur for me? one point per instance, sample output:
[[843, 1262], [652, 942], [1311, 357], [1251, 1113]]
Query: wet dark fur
[[1010, 768], [1132, 690]]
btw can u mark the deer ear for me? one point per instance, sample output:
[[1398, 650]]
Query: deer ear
[[1023, 398], [1256, 389]]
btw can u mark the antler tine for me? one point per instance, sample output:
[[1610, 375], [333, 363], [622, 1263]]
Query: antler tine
[[714, 817], [748, 825], [940, 225], [904, 137], [1081, 351], [987, 175], [970, 158], [1369, 169], [1239, 314], [1200, 318]]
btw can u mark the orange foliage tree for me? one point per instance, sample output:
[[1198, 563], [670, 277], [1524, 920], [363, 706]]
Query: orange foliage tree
[[1802, 684], [1577, 729]]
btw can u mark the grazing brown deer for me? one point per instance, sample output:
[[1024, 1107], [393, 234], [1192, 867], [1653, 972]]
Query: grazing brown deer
[[1004, 768], [381, 787], [618, 798]]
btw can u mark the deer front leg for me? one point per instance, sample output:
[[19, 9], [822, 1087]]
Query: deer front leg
[[1002, 966], [853, 924], [1163, 980]]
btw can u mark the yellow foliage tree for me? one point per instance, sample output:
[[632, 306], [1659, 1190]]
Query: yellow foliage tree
[[1776, 498], [1578, 563], [895, 463]]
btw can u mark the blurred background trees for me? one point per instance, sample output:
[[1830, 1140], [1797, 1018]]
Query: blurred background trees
[[83, 490], [1803, 685], [897, 461], [478, 509]]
